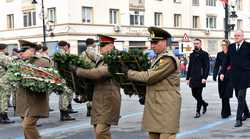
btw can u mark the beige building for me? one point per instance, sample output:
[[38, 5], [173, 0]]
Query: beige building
[[127, 20]]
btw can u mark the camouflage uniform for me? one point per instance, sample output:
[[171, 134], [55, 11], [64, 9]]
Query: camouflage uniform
[[90, 56], [5, 88], [65, 100]]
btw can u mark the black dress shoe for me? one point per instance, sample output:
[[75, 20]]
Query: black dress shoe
[[244, 117], [238, 123], [197, 115], [225, 116], [205, 108]]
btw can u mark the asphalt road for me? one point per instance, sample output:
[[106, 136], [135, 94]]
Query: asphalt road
[[209, 126]]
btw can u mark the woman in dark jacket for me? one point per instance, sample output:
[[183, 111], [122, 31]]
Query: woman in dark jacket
[[225, 87]]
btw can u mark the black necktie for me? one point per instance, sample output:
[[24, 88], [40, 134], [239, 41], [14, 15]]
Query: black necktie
[[237, 46]]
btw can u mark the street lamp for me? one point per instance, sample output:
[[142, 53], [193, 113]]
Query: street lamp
[[44, 27], [229, 27]]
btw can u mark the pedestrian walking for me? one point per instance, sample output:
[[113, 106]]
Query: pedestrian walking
[[225, 87], [238, 59], [198, 70]]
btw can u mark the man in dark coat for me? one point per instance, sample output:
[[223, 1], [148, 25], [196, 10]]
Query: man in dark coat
[[238, 58], [198, 70], [225, 87]]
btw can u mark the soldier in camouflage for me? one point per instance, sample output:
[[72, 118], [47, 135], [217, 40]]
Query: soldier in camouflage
[[66, 97], [4, 86], [90, 55]]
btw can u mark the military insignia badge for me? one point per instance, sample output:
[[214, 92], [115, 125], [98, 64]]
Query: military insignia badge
[[152, 35], [161, 61]]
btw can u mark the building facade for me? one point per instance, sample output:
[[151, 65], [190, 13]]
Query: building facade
[[126, 20]]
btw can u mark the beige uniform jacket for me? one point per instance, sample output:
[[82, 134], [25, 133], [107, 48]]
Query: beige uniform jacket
[[32, 104], [106, 102], [163, 99]]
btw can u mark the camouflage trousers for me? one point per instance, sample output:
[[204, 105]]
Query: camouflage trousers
[[6, 88], [64, 98], [4, 98]]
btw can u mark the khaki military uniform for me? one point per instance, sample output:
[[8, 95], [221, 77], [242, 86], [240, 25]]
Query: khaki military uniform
[[106, 100], [5, 88], [31, 105], [163, 99]]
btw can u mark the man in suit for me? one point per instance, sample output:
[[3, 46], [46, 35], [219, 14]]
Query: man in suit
[[238, 60], [198, 70]]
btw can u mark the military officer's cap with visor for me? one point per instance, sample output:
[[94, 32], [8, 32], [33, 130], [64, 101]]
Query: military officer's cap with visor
[[157, 34], [104, 39]]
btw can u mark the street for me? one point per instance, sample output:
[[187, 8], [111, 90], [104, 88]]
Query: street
[[208, 126]]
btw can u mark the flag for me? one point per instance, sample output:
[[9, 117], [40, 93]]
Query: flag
[[224, 2]]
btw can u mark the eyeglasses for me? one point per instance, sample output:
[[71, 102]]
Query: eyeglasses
[[196, 43]]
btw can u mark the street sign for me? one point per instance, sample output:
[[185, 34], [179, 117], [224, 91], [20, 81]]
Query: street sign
[[185, 38]]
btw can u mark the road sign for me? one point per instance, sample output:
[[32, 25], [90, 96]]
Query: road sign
[[185, 38]]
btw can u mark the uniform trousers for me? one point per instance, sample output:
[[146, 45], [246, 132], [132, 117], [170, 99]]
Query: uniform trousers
[[161, 136], [63, 102], [102, 131], [242, 104], [29, 128], [4, 98], [197, 94], [64, 98]]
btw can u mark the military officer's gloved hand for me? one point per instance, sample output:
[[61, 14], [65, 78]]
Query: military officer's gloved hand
[[124, 68]]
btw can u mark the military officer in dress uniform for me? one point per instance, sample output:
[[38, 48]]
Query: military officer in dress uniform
[[106, 98], [161, 115], [5, 89], [31, 106]]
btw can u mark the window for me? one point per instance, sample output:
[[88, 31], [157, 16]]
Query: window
[[113, 16], [177, 20], [177, 1], [211, 2], [52, 14], [239, 24], [137, 18], [211, 21], [158, 19], [196, 21], [29, 18], [239, 5], [87, 14], [10, 21], [196, 3]]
